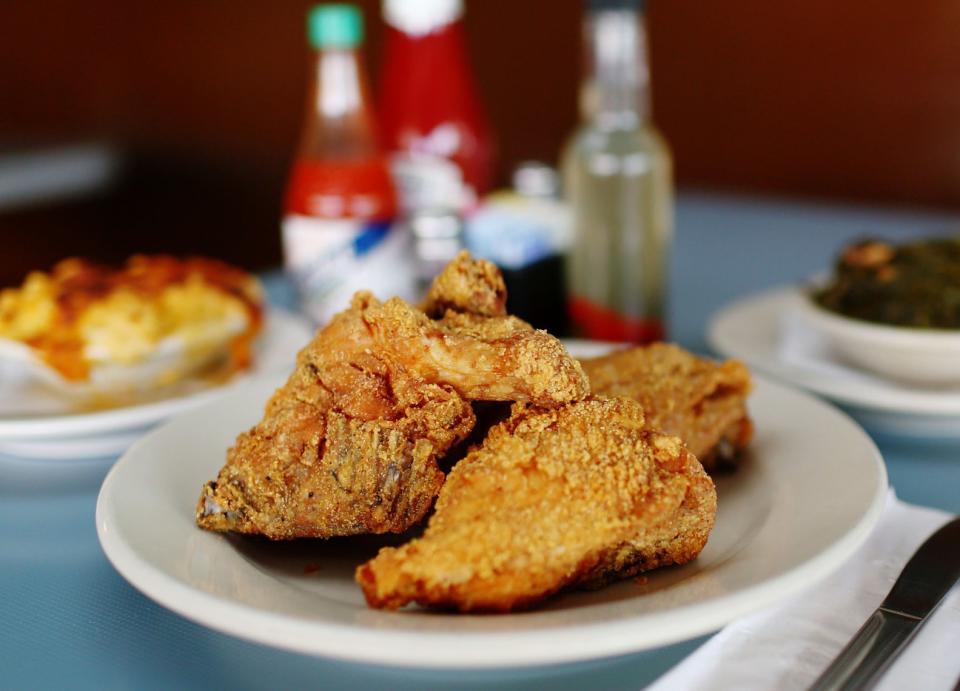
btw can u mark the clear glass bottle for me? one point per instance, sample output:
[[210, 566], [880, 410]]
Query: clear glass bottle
[[617, 174]]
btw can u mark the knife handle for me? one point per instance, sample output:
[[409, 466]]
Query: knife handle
[[872, 649]]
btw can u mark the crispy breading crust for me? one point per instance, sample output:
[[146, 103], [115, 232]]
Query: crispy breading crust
[[700, 401], [309, 470], [474, 286], [553, 498]]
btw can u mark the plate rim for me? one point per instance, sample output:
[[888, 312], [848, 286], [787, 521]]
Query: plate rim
[[784, 294], [567, 644], [81, 425]]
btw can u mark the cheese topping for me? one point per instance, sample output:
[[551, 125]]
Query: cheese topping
[[81, 314]]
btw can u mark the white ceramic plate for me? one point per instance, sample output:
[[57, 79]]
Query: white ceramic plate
[[36, 423], [763, 330], [804, 499]]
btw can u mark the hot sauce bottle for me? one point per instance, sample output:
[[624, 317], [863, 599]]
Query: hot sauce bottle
[[434, 123], [338, 231]]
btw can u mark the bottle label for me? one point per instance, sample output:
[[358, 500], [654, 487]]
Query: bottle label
[[606, 324], [331, 259], [428, 182]]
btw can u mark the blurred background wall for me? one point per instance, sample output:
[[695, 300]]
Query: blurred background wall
[[854, 100]]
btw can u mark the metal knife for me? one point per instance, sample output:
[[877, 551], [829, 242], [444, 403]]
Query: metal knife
[[921, 586]]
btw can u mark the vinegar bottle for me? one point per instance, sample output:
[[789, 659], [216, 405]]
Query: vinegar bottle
[[617, 178], [338, 232]]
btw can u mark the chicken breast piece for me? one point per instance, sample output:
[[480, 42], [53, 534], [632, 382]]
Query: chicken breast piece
[[580, 494], [702, 402]]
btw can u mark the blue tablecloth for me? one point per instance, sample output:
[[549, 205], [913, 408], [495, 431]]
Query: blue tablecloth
[[68, 620]]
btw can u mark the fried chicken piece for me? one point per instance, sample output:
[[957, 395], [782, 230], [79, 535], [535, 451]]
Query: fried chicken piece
[[700, 401], [350, 443], [579, 494], [467, 285]]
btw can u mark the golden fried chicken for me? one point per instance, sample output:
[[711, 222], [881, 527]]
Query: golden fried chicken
[[350, 443], [702, 402], [466, 285], [579, 494]]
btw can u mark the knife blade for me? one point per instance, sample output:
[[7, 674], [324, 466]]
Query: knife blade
[[926, 579]]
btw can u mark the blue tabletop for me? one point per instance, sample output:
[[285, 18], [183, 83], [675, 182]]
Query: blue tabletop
[[68, 620]]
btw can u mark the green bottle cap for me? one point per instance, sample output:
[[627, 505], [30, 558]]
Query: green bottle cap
[[334, 26]]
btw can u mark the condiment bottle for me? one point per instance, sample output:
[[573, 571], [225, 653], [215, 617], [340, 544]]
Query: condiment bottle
[[526, 232], [617, 175], [434, 123], [340, 203]]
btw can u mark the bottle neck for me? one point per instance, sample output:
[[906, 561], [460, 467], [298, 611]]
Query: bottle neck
[[419, 18], [340, 120], [616, 92]]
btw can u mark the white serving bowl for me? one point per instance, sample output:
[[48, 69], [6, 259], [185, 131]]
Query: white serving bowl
[[926, 357]]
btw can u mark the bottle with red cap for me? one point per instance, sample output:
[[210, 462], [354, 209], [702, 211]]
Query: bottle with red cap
[[338, 229], [434, 123]]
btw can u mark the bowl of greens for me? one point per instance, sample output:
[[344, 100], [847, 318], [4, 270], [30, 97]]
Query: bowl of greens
[[893, 309]]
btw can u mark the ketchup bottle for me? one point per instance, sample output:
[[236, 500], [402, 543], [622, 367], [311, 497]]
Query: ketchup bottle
[[434, 123], [338, 232]]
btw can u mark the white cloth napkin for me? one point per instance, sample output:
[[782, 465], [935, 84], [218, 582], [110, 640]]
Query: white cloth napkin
[[789, 645]]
